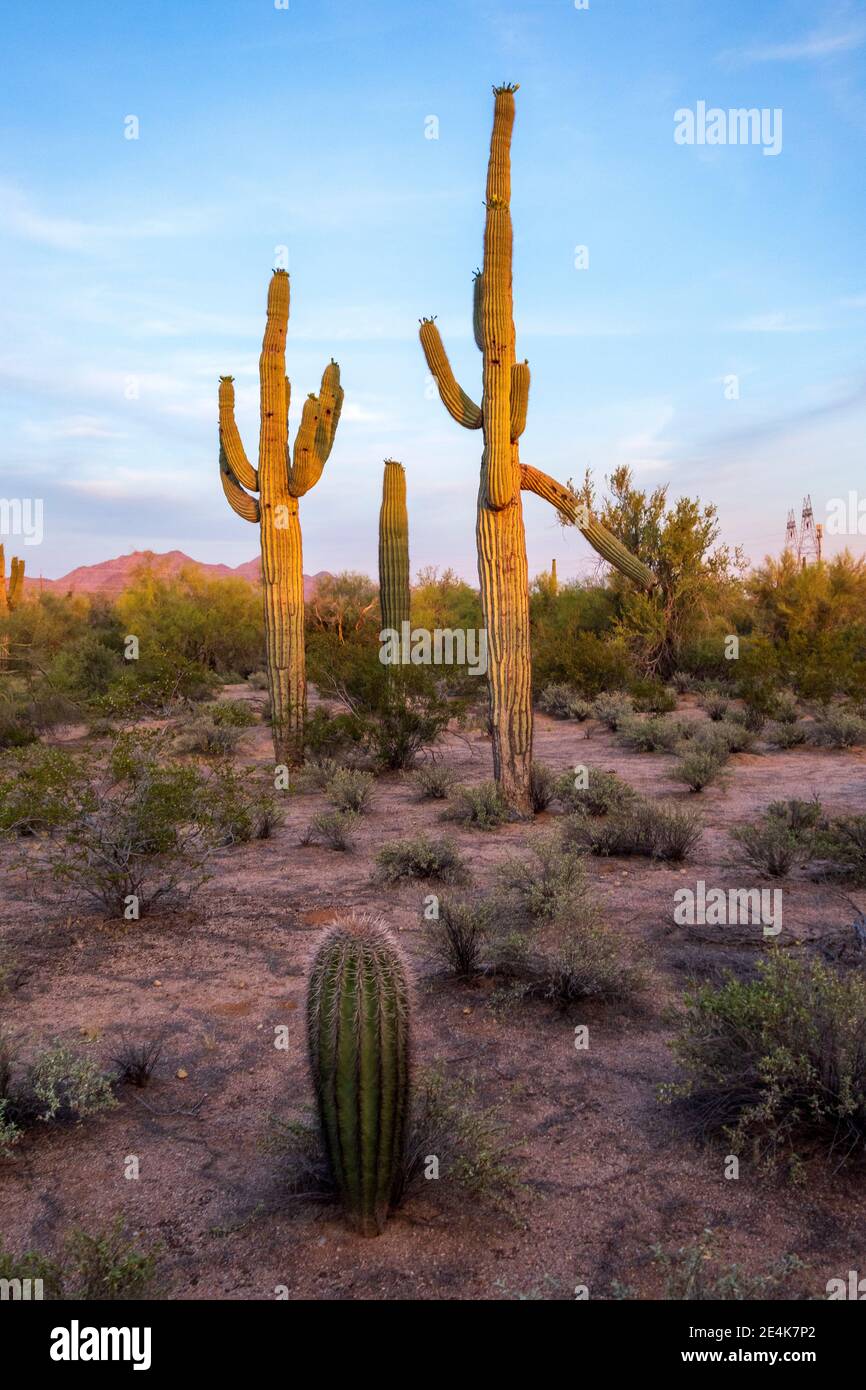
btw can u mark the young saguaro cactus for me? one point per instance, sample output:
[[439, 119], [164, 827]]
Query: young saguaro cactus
[[394, 591], [358, 1015], [500, 534], [11, 595], [283, 476]]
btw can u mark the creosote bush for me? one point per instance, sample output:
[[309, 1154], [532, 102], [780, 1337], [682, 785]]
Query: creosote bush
[[482, 807], [838, 728], [349, 790], [434, 781], [778, 1063], [785, 834], [236, 808], [332, 828], [788, 735], [646, 828], [653, 734], [698, 768], [103, 1265], [652, 697], [564, 702], [604, 791], [420, 857], [715, 706], [542, 786], [612, 709], [59, 1085], [455, 938]]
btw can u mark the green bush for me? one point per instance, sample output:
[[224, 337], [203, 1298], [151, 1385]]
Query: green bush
[[206, 737], [332, 828], [99, 1266], [698, 768], [456, 938], [542, 786], [769, 846], [235, 808], [482, 807], [716, 706], [653, 734], [350, 790], [40, 789], [644, 828], [838, 728], [786, 735], [604, 792], [612, 709], [547, 887], [592, 963], [652, 697], [778, 1063], [563, 702], [434, 782], [232, 714], [843, 844], [420, 857]]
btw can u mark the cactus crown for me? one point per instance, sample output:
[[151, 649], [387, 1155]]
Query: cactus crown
[[506, 87]]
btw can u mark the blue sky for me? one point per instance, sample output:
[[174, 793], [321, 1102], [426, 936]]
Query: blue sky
[[147, 260]]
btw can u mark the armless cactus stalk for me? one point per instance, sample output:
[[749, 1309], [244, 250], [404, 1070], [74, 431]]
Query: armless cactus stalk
[[500, 534], [394, 549], [11, 595], [358, 1033], [281, 479], [554, 582]]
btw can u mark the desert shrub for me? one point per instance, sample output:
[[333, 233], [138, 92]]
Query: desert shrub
[[691, 1274], [768, 845], [135, 839], [420, 857], [405, 721], [564, 702], [645, 828], [349, 790], [752, 716], [393, 711], [591, 963], [652, 697], [612, 709], [233, 714], [103, 1265], [467, 1138], [838, 728], [332, 737], [653, 734], [434, 781], [843, 844], [542, 786], [482, 807], [778, 1063], [604, 792], [206, 737], [258, 680], [544, 888], [698, 768], [801, 817], [683, 682], [136, 1061], [716, 706], [332, 828], [786, 735], [730, 736], [235, 808], [40, 789], [455, 939], [59, 1085], [784, 709]]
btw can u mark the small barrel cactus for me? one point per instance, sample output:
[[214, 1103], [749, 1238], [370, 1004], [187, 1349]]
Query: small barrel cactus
[[358, 1033]]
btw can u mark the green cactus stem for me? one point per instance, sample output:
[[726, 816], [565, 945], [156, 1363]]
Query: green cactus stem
[[394, 594]]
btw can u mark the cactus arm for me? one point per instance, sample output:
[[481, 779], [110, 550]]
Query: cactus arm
[[240, 502], [502, 480], [230, 438], [454, 398], [577, 514], [315, 437], [519, 399], [16, 583], [478, 310]]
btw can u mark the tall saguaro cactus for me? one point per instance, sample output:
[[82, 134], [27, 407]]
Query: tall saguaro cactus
[[394, 593], [283, 476], [358, 1035], [10, 596], [500, 534]]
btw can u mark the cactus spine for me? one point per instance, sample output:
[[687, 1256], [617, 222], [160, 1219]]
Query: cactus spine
[[394, 549], [500, 535], [11, 595], [358, 1034], [282, 477]]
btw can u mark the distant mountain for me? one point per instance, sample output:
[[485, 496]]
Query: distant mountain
[[111, 577]]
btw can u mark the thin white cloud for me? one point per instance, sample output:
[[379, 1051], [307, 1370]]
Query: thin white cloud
[[75, 427], [19, 217], [811, 48], [775, 322]]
